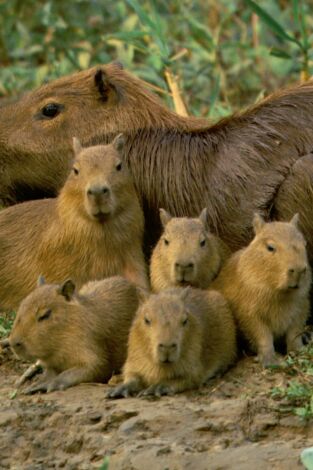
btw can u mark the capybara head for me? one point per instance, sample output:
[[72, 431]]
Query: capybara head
[[99, 183], [167, 325], [277, 254], [42, 321], [185, 249], [36, 130]]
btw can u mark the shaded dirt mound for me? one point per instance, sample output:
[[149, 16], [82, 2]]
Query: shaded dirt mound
[[232, 423]]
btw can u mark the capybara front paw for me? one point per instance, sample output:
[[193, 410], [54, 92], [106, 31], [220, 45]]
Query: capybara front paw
[[121, 391], [40, 387], [269, 360], [156, 390]]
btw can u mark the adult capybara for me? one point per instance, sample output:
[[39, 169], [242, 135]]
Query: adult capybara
[[178, 340], [267, 285], [235, 167], [77, 336], [186, 254], [92, 230]]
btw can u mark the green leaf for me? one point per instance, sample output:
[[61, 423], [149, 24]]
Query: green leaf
[[307, 458], [105, 464], [280, 53], [199, 29], [277, 28]]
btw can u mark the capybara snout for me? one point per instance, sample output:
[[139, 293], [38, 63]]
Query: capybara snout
[[184, 271]]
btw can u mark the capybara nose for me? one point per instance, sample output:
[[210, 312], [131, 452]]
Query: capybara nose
[[167, 347], [97, 191], [182, 267]]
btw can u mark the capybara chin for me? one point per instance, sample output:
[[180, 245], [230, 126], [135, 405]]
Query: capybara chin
[[186, 254], [179, 339], [93, 229], [267, 285], [77, 336]]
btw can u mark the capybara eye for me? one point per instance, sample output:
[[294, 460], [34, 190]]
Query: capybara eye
[[51, 110], [270, 247], [147, 321], [119, 167], [45, 315], [184, 322], [166, 242], [75, 170], [202, 243]]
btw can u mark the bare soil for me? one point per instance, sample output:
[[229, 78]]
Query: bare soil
[[231, 424]]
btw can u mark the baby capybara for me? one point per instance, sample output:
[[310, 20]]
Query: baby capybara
[[267, 285], [92, 230], [186, 254], [77, 336], [179, 339]]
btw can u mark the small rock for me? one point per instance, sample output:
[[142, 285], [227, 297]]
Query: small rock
[[163, 451], [132, 424], [94, 417], [6, 417], [73, 444]]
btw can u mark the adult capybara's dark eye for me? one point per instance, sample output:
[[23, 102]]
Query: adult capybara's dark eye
[[119, 167], [51, 110]]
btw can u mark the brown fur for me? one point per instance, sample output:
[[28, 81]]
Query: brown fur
[[179, 339], [77, 337], [186, 254], [234, 167], [267, 285], [79, 235]]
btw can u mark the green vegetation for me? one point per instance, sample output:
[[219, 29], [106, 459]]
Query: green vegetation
[[6, 322], [297, 395], [225, 53]]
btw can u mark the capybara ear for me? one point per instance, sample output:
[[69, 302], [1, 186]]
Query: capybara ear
[[118, 64], [40, 281], [104, 87], [204, 219], [77, 146], [119, 142], [258, 222], [295, 220], [67, 290], [165, 217]]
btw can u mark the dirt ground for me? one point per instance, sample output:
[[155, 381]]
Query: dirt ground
[[231, 424]]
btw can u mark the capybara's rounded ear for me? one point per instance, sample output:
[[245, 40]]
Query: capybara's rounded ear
[[118, 64], [103, 86], [295, 220], [258, 222], [77, 146], [165, 217], [67, 290], [204, 219], [40, 281], [119, 142]]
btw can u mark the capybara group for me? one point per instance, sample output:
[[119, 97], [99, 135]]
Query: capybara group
[[256, 160], [267, 285], [77, 336], [93, 229], [179, 339], [186, 254]]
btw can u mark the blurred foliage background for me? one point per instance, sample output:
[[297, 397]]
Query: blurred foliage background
[[225, 53]]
